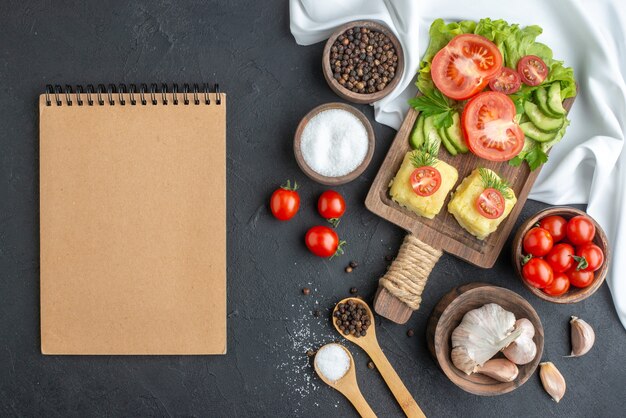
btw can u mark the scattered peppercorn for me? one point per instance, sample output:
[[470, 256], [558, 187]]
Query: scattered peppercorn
[[389, 258], [310, 353], [363, 60], [354, 264], [354, 290], [352, 318], [410, 332], [317, 313], [370, 365], [348, 269], [306, 291]]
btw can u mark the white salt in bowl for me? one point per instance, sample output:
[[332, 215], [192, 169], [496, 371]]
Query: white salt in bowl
[[334, 144]]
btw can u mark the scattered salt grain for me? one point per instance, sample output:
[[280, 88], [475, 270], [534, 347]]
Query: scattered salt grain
[[334, 143], [332, 361]]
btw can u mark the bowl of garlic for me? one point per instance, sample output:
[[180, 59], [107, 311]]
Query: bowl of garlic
[[486, 339]]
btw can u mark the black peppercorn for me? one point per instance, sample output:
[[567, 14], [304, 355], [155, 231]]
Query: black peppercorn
[[410, 332], [370, 365], [306, 291], [353, 290]]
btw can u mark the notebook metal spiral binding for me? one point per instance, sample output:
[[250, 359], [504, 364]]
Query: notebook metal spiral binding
[[102, 93]]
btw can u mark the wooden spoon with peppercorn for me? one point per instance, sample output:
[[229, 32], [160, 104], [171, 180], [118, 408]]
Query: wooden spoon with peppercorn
[[348, 386], [353, 319]]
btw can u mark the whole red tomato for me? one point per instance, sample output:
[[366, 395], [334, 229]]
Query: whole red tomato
[[331, 206], [580, 278], [580, 230], [537, 242], [323, 241], [589, 256], [285, 202], [555, 225], [561, 258], [558, 286], [537, 272]]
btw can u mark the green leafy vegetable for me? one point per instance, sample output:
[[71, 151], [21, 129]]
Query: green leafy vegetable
[[425, 155], [534, 156], [436, 105]]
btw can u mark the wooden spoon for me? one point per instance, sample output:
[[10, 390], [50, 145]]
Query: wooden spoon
[[347, 386], [369, 343]]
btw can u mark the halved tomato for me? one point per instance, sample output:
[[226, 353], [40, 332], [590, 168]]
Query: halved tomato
[[507, 82], [425, 180], [490, 203], [489, 128], [464, 66], [532, 69]]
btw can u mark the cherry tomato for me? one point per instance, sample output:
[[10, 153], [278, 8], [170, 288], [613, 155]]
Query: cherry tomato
[[537, 242], [580, 230], [331, 206], [558, 286], [490, 203], [489, 128], [580, 278], [555, 225], [323, 241], [507, 82], [464, 66], [285, 202], [532, 70], [425, 180], [590, 257], [537, 272], [561, 258]]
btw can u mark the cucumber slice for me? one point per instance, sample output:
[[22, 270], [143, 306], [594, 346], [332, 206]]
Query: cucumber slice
[[430, 133], [555, 102], [545, 146], [541, 96], [446, 142], [541, 121], [417, 136], [455, 134], [531, 131]]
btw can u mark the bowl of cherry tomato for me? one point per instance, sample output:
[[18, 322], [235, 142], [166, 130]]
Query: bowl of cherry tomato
[[561, 254]]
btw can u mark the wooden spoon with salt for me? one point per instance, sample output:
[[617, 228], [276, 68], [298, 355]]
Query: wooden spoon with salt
[[369, 343], [348, 386]]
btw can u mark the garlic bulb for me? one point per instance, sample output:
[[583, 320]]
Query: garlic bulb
[[523, 350], [480, 335]]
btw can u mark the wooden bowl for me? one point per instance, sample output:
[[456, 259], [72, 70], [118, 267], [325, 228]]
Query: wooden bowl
[[314, 175], [348, 94], [447, 315], [574, 294]]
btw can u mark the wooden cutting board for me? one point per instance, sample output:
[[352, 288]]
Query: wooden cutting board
[[443, 232]]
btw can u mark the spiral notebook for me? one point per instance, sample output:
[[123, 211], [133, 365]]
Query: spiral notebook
[[133, 220]]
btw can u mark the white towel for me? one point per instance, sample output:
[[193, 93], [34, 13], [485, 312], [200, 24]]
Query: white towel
[[588, 166]]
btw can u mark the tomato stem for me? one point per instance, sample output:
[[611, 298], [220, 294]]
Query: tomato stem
[[334, 222], [287, 186], [526, 258], [339, 250], [582, 262]]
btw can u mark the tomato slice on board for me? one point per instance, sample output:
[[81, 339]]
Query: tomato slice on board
[[490, 203], [425, 180], [464, 66], [507, 82], [532, 70], [489, 128]]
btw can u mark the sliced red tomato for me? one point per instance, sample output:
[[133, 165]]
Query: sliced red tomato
[[425, 180], [464, 66], [490, 203], [507, 82], [489, 128], [532, 70]]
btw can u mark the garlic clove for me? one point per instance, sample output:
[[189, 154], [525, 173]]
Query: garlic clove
[[552, 380], [582, 336], [499, 369], [521, 351]]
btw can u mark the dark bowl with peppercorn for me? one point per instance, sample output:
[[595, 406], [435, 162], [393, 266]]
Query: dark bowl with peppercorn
[[363, 61], [573, 294]]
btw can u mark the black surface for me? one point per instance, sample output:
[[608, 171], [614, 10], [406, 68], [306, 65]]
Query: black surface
[[271, 83]]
